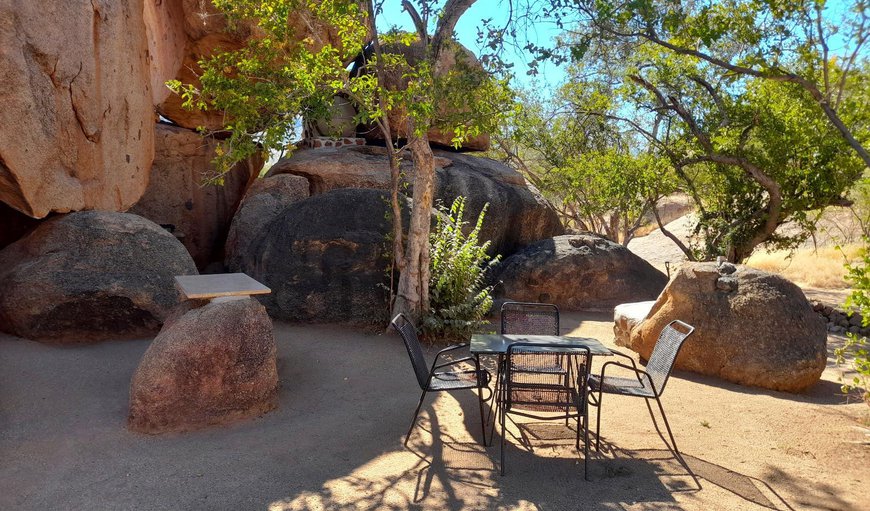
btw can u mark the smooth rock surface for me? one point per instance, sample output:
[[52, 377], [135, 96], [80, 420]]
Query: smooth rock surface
[[517, 214], [179, 199], [578, 271], [266, 198], [214, 364], [763, 333], [180, 33], [77, 122], [628, 315], [90, 276], [325, 258]]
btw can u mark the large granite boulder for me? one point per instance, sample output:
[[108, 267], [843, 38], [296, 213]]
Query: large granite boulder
[[180, 33], [578, 271], [77, 121], [325, 258], [454, 58], [177, 197], [90, 276], [265, 199], [517, 214], [751, 327], [214, 364]]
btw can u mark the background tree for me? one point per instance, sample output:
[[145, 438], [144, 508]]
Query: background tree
[[811, 44], [595, 176], [753, 153]]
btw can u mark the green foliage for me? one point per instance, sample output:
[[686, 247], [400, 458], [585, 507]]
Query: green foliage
[[284, 74], [599, 180], [857, 348], [753, 153], [279, 75], [459, 300]]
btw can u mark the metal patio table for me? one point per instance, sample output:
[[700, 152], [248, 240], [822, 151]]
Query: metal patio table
[[497, 344]]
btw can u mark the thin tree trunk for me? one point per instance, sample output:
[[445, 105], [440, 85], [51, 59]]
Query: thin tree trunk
[[412, 297]]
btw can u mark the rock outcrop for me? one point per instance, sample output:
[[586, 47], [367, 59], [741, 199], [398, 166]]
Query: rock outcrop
[[198, 214], [578, 271], [265, 200], [90, 276], [180, 33], [214, 364], [454, 57], [77, 122], [751, 327], [517, 213], [324, 258], [183, 32]]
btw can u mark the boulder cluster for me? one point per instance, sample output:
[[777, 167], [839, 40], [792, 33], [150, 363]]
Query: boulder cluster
[[841, 321]]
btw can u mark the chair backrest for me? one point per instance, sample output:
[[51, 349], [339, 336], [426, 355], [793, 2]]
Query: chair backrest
[[527, 388], [529, 318], [408, 332], [665, 353]]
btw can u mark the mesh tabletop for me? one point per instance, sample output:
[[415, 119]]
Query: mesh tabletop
[[497, 344]]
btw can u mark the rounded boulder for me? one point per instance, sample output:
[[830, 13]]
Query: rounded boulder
[[212, 365], [751, 327], [90, 276], [578, 271], [325, 258]]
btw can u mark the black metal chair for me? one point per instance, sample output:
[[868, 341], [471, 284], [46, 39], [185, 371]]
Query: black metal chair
[[528, 392], [433, 380], [529, 318], [648, 383]]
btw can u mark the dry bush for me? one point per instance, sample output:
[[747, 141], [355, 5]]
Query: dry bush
[[820, 268]]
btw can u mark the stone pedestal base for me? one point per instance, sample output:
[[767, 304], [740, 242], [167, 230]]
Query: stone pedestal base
[[212, 365]]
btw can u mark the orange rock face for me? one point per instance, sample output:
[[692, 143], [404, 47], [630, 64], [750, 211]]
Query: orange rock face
[[183, 32], [178, 198], [76, 126]]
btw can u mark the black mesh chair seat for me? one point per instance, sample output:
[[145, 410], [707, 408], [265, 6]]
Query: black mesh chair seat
[[620, 385], [542, 398], [648, 383], [456, 380], [433, 380]]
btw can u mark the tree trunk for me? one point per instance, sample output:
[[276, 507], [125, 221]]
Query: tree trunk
[[412, 297]]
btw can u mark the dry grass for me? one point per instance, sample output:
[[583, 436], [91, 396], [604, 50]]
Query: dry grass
[[819, 268]]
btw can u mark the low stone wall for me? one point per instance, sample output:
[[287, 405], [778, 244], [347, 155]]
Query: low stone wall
[[839, 320]]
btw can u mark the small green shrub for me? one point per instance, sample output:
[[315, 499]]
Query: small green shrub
[[458, 298], [857, 348]]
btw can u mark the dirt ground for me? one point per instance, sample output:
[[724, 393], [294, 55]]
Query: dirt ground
[[336, 440]]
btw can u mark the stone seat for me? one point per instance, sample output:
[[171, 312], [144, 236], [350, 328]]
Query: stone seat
[[626, 316]]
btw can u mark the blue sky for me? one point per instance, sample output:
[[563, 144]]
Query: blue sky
[[549, 75]]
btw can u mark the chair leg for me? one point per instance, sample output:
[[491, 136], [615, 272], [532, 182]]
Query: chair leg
[[598, 423], [495, 393], [586, 446], [482, 418], [502, 439], [414, 420], [668, 427]]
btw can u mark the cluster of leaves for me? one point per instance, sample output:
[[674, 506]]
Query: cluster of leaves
[[283, 72], [857, 348], [459, 299]]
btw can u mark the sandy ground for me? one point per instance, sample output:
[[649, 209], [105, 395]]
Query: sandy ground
[[336, 441]]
